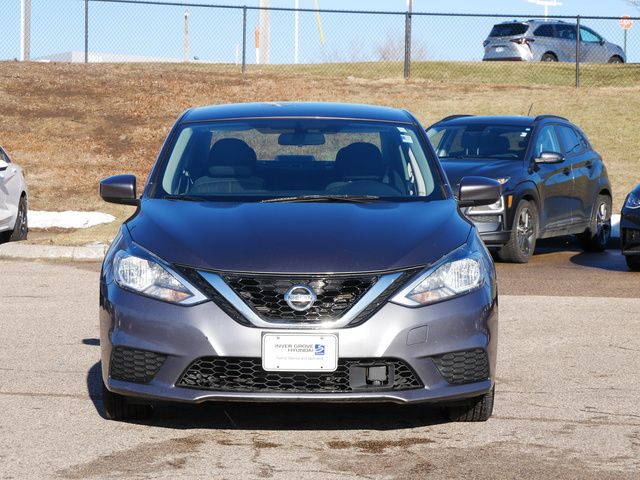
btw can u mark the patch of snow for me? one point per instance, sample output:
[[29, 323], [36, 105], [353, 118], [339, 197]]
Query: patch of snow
[[68, 219]]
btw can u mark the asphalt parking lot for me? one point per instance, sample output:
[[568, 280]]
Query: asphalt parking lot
[[567, 394]]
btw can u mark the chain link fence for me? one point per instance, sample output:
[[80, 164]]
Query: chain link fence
[[367, 44]]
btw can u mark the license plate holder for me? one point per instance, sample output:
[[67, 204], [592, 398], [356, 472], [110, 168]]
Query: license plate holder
[[289, 352]]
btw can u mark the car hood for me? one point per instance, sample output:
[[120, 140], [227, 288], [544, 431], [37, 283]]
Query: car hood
[[299, 237], [492, 168]]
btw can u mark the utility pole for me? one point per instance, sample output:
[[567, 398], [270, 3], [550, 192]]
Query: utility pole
[[407, 40], [185, 46], [25, 30], [296, 32]]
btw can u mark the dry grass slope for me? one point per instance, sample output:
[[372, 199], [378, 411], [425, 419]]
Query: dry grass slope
[[71, 125]]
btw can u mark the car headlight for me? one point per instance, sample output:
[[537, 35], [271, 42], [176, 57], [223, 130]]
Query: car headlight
[[148, 277], [451, 278], [488, 209], [633, 201], [503, 180]]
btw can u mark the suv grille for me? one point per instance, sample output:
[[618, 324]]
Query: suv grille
[[231, 374], [138, 366], [265, 294], [467, 366]]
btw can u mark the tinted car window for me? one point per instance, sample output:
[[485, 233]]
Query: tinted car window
[[544, 31], [571, 143], [589, 36], [508, 29], [546, 141], [485, 141], [566, 32], [299, 156]]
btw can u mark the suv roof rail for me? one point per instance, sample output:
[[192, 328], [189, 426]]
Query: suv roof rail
[[452, 117], [546, 115]]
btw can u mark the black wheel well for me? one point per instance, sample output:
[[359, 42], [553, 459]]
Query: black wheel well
[[605, 192], [550, 52], [618, 57]]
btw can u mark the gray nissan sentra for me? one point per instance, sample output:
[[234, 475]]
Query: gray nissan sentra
[[298, 252]]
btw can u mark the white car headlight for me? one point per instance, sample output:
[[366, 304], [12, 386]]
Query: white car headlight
[[447, 280], [503, 180], [633, 201], [147, 277], [488, 209]]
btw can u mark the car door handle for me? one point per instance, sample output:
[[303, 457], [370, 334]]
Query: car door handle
[[589, 164], [567, 171]]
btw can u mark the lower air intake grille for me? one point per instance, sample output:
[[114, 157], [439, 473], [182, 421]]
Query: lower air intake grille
[[467, 366], [231, 374], [131, 365]]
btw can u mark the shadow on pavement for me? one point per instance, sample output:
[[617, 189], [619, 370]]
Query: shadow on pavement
[[298, 416]]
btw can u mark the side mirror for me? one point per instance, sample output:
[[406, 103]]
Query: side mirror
[[3, 165], [478, 191], [119, 189], [549, 157]]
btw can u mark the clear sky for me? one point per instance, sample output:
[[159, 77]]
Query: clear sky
[[57, 26]]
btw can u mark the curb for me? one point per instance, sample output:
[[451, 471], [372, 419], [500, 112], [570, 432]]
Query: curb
[[87, 253]]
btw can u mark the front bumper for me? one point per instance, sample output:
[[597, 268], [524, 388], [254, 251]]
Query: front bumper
[[184, 334], [630, 232]]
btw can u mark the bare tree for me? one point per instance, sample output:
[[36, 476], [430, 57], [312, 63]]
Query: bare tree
[[392, 50]]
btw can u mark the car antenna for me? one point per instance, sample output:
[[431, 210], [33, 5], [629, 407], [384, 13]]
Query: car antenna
[[529, 112]]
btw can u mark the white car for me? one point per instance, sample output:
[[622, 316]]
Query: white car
[[13, 201]]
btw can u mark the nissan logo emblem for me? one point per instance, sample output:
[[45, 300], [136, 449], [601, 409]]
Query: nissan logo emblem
[[300, 298]]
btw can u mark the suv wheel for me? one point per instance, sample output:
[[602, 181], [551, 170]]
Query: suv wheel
[[524, 233], [596, 237], [117, 407], [616, 59], [633, 262], [549, 57], [479, 410]]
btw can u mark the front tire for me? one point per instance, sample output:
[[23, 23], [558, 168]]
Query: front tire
[[21, 228], [596, 237], [524, 233], [616, 59], [479, 410], [549, 57], [633, 262], [117, 407]]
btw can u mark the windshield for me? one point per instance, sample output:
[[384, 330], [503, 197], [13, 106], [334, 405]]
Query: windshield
[[273, 158], [480, 141], [508, 29]]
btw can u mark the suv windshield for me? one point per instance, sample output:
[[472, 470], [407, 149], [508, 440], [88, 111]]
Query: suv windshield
[[314, 158], [480, 141], [508, 29]]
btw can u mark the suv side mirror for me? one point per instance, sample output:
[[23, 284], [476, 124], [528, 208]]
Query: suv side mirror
[[119, 189], [478, 191], [3, 165], [549, 157]]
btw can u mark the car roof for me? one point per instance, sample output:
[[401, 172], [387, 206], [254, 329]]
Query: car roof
[[495, 120], [297, 109]]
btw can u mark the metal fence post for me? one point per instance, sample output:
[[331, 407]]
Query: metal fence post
[[578, 51], [407, 40], [244, 39], [86, 31]]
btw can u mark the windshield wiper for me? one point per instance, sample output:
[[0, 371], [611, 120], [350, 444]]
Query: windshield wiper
[[324, 198], [186, 198]]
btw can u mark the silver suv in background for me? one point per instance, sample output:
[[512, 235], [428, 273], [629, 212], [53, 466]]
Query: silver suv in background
[[551, 41]]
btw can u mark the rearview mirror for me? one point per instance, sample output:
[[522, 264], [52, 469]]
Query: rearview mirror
[[549, 157], [299, 138], [3, 165], [119, 189], [478, 191]]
